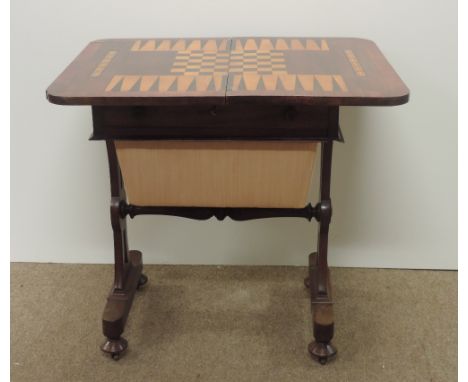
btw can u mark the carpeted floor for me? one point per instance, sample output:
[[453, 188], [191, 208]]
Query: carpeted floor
[[208, 323]]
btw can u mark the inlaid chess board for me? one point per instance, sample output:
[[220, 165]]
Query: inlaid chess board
[[326, 71]]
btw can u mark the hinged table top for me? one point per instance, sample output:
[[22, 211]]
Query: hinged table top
[[316, 71]]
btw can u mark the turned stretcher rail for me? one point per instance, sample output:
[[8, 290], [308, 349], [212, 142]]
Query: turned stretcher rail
[[240, 214]]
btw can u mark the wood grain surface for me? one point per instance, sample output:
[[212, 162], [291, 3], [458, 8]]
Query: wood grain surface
[[316, 71], [217, 173]]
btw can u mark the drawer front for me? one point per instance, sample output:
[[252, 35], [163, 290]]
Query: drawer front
[[233, 121]]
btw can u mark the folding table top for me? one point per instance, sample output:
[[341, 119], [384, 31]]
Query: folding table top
[[162, 71]]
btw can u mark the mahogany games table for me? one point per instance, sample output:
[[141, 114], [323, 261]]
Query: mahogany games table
[[223, 127]]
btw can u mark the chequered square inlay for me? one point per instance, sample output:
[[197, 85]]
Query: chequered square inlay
[[237, 61]]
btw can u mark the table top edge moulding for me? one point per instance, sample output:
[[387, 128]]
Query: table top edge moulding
[[290, 70]]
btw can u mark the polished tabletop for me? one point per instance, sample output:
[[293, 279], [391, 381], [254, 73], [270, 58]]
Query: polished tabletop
[[163, 71]]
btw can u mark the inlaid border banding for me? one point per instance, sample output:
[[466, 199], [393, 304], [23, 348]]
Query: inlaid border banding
[[355, 63], [104, 63]]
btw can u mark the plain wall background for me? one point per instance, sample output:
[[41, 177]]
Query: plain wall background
[[394, 186]]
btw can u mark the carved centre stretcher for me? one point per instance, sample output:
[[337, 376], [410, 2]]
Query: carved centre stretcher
[[226, 127]]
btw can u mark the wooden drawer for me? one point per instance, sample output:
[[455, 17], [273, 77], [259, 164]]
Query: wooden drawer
[[217, 173], [229, 121]]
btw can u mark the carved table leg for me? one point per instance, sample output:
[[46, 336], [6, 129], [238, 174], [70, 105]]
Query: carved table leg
[[319, 276], [127, 268]]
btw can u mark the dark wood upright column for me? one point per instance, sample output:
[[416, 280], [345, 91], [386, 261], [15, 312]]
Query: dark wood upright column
[[325, 217], [127, 266], [119, 224], [319, 276]]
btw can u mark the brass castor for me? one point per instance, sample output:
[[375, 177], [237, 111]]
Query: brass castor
[[114, 347], [322, 352], [307, 282], [142, 281]]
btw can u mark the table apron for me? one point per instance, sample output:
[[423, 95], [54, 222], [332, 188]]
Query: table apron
[[226, 122]]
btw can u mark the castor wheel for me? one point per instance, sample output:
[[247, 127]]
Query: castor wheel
[[307, 282], [115, 356], [142, 281], [115, 347], [322, 352]]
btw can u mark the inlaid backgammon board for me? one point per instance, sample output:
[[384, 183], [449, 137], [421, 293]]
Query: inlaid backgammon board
[[222, 127], [340, 71]]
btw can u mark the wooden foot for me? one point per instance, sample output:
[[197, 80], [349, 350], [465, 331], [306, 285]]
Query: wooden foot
[[118, 306], [114, 347], [321, 349]]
